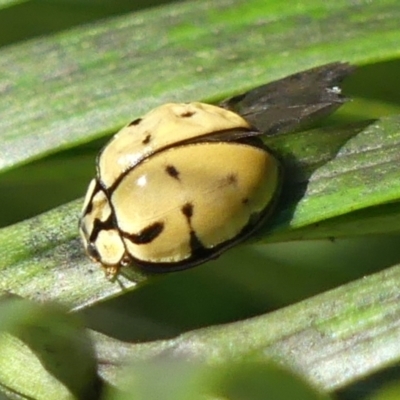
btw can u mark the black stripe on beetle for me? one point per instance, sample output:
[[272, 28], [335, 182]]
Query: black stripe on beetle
[[196, 246], [89, 207], [146, 235], [98, 226]]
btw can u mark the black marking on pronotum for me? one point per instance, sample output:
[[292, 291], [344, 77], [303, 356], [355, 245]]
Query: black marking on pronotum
[[135, 122], [98, 226], [187, 211], [147, 139], [92, 251], [188, 113], [172, 171], [89, 207], [146, 235]]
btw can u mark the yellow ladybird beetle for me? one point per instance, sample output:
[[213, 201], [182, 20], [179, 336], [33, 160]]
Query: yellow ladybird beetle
[[187, 181]]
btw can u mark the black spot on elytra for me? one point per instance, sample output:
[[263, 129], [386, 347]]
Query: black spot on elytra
[[172, 171], [146, 139], [135, 122], [232, 179], [245, 201], [147, 234], [187, 114], [187, 210], [196, 246]]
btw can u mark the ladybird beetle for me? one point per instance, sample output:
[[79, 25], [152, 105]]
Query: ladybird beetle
[[187, 181]]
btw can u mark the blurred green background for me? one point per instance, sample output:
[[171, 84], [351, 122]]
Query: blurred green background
[[220, 291]]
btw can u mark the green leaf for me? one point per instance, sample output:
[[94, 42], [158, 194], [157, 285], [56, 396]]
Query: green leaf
[[331, 339], [103, 75], [9, 3], [178, 379], [45, 354], [3, 397], [388, 392]]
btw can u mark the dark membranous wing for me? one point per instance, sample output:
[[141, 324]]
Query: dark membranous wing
[[299, 99]]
